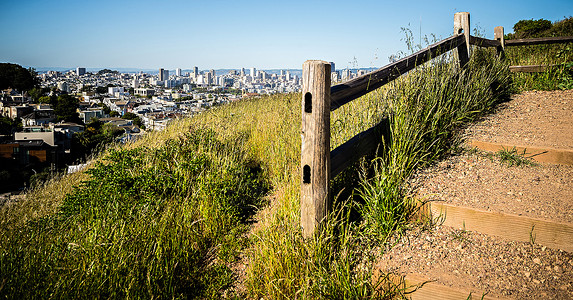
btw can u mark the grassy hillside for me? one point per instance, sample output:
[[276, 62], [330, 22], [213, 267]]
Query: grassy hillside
[[209, 207]]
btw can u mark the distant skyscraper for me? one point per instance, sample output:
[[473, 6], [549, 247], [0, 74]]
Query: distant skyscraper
[[178, 71], [212, 73], [263, 75], [161, 78], [80, 71], [253, 72], [165, 74], [196, 71], [332, 67], [242, 72]]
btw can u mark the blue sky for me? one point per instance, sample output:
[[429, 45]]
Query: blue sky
[[234, 34]]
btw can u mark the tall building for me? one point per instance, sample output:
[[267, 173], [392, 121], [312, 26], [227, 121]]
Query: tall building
[[165, 74], [178, 71], [212, 73], [263, 75], [161, 78], [332, 67], [209, 78], [253, 72], [80, 71], [242, 72], [196, 71]]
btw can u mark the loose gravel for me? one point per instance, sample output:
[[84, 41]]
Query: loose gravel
[[542, 191], [535, 118], [473, 261]]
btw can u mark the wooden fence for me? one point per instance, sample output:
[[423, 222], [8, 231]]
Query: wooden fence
[[318, 164]]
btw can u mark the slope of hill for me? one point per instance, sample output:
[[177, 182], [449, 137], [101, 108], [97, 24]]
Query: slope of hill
[[209, 207]]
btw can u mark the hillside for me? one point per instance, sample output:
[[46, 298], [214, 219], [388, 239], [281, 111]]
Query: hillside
[[209, 207]]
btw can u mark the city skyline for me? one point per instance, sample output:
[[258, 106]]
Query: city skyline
[[240, 34]]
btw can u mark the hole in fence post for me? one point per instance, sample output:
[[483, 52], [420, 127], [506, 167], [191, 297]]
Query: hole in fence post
[[306, 174], [461, 30], [308, 103]]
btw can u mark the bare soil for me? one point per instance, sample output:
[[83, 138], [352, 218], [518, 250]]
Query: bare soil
[[473, 261], [534, 118], [542, 191]]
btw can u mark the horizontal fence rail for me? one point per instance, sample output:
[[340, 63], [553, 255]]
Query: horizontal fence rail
[[531, 69], [343, 93], [540, 41], [360, 145], [477, 41], [318, 164]]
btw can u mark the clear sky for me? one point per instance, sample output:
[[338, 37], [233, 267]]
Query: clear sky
[[217, 34]]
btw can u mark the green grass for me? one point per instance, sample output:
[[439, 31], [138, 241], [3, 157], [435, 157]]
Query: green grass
[[509, 157], [561, 55], [210, 206], [426, 109], [145, 223], [512, 157], [558, 77]]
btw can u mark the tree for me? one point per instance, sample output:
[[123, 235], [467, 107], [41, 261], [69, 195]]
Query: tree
[[105, 71], [101, 89], [47, 99], [134, 117], [541, 28], [65, 108], [37, 92], [113, 113], [7, 125], [530, 28], [95, 135], [16, 77], [105, 108]]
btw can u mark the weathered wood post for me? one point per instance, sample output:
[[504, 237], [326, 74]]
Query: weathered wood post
[[499, 36], [462, 25], [315, 152]]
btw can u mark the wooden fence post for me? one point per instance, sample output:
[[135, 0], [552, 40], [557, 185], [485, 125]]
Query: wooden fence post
[[499, 36], [462, 24], [315, 152]]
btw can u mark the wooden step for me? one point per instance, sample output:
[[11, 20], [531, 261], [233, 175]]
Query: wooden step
[[512, 227], [420, 287]]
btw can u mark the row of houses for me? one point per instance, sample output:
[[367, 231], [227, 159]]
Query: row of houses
[[40, 145]]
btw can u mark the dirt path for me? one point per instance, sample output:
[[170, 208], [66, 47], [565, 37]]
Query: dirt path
[[500, 266], [535, 118]]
